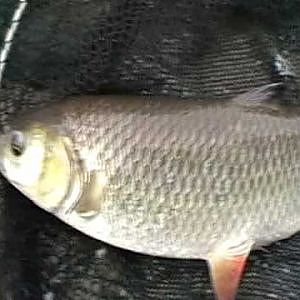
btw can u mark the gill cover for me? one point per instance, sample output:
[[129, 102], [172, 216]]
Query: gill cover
[[37, 162]]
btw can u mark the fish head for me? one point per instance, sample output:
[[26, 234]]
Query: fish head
[[36, 159]]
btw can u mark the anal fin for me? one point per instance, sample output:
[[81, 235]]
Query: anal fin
[[226, 269]]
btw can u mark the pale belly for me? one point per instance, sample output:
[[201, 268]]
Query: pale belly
[[151, 240]]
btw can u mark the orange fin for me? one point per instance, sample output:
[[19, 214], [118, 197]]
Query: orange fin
[[226, 270]]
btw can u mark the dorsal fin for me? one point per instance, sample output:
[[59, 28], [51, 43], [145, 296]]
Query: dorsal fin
[[257, 96]]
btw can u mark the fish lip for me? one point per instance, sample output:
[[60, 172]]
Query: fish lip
[[2, 170], [3, 173], [14, 183], [21, 188]]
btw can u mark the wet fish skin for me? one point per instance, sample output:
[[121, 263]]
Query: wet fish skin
[[176, 178], [178, 172]]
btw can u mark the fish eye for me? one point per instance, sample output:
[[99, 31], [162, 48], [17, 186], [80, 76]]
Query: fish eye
[[17, 143]]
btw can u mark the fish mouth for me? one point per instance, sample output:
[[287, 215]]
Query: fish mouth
[[4, 140], [22, 189], [3, 172], [18, 186]]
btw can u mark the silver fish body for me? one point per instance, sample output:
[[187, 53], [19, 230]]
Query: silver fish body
[[180, 178]]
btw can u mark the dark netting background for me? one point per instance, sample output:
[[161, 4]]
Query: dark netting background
[[188, 48]]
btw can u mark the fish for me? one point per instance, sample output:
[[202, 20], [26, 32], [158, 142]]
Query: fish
[[175, 178]]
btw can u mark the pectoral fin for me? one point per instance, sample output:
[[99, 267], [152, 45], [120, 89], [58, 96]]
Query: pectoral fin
[[91, 200], [226, 269]]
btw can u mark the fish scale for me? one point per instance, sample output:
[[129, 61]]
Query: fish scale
[[125, 137], [181, 178]]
